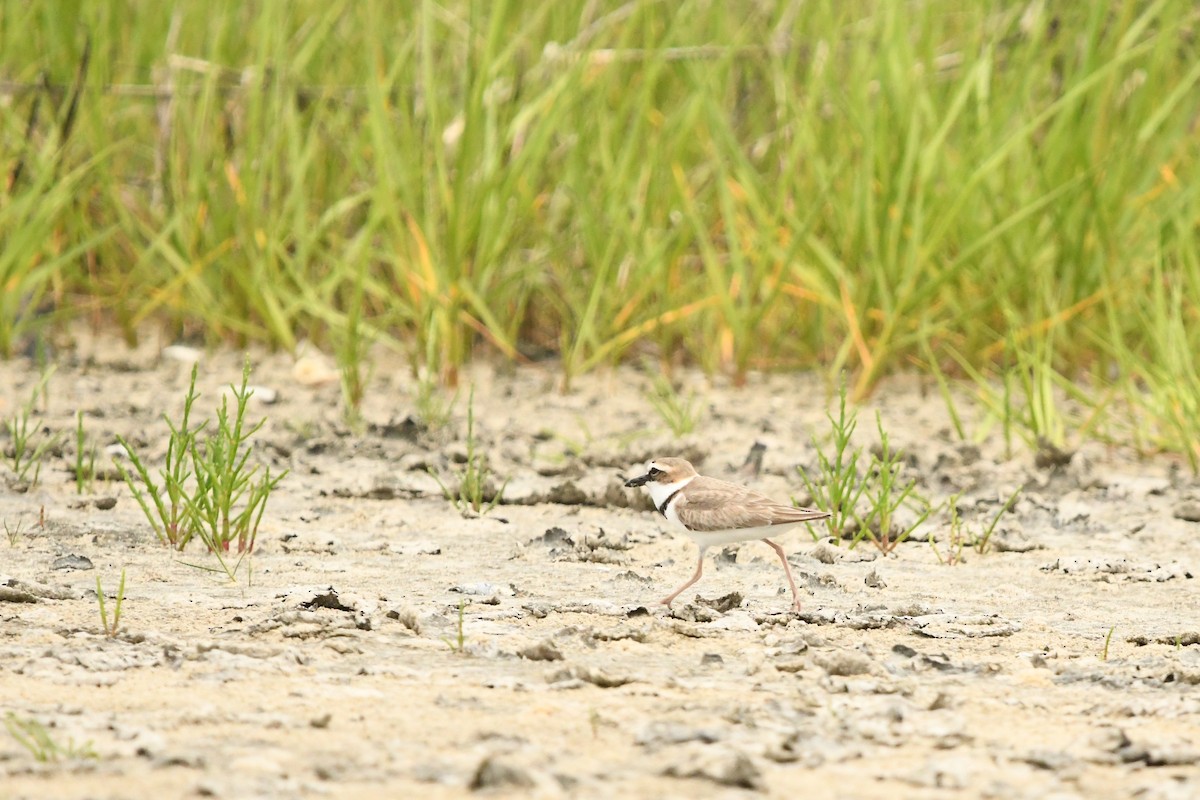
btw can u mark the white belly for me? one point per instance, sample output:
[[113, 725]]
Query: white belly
[[718, 538]]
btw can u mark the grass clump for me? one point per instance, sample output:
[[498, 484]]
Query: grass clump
[[13, 534], [679, 411], [113, 625], [960, 536], [208, 487], [165, 501], [458, 645], [474, 491], [1000, 192], [839, 483], [29, 441], [34, 737], [85, 458], [862, 501], [432, 405], [885, 495]]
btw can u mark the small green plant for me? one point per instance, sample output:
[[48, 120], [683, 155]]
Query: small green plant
[[1107, 641], [13, 534], [459, 643], [111, 626], [961, 537], [228, 502], [29, 442], [839, 484], [983, 542], [886, 495], [209, 489], [474, 478], [679, 411], [165, 504], [33, 736], [352, 344], [433, 408], [85, 465], [957, 538]]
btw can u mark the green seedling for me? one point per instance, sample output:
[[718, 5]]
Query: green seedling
[[209, 489], [351, 353], [886, 494], [230, 496], [957, 539], [111, 626], [983, 542], [33, 736], [838, 485], [13, 534], [679, 411], [474, 477], [85, 465], [433, 408], [961, 536], [459, 643], [1107, 640], [29, 441], [165, 503]]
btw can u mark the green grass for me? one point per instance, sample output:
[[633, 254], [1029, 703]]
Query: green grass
[[472, 489], [36, 738], [997, 191], [208, 487], [29, 440], [111, 624]]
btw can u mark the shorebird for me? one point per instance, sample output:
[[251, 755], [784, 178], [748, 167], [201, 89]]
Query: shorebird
[[716, 512]]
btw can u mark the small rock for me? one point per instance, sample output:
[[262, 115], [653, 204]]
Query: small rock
[[494, 773], [485, 589], [723, 767], [724, 603], [843, 663], [874, 581], [406, 617], [1187, 510], [182, 353], [72, 561], [264, 394], [659, 734], [592, 675], [1010, 537], [544, 650], [554, 536], [567, 493], [11, 595], [1051, 455], [105, 503], [825, 554], [711, 658], [321, 721]]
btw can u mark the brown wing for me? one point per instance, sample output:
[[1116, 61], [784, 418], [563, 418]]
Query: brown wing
[[714, 505]]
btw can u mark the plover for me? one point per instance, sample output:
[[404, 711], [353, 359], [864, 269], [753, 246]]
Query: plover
[[716, 512]]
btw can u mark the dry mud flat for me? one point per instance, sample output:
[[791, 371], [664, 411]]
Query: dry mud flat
[[334, 672]]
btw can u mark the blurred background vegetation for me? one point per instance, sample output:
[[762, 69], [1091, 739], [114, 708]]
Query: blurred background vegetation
[[999, 195]]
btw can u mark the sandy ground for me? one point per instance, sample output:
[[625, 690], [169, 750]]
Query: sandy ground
[[334, 670]]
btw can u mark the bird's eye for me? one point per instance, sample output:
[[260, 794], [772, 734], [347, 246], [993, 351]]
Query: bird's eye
[[655, 472]]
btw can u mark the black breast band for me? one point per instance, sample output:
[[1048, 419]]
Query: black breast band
[[662, 508]]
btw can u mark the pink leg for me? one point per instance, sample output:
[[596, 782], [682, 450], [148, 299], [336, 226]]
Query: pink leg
[[693, 579], [787, 569]]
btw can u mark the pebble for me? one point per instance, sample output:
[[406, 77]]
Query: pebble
[[544, 650], [72, 562], [720, 765], [494, 773], [1187, 510]]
